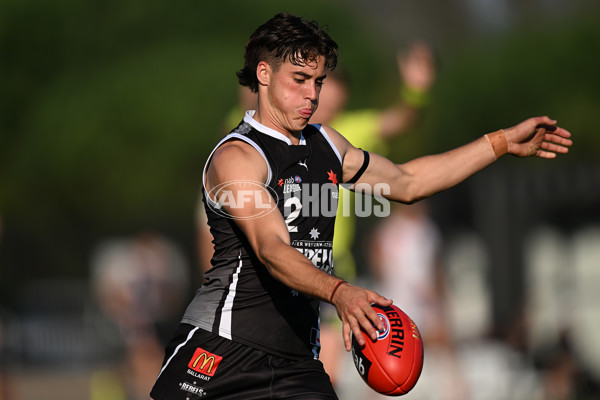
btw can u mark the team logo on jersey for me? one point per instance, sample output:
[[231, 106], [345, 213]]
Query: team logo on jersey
[[204, 362], [291, 184], [303, 163], [332, 177]]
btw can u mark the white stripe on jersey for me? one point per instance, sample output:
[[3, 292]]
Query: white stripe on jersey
[[248, 118], [225, 324], [326, 136]]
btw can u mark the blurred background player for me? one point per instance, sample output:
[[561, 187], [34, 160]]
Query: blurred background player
[[140, 285]]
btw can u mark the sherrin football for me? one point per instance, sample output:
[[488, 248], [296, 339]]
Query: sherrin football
[[392, 364]]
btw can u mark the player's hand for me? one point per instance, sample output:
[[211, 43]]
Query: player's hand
[[353, 305], [539, 137]]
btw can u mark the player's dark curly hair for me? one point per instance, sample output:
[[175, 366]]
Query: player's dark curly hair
[[285, 37]]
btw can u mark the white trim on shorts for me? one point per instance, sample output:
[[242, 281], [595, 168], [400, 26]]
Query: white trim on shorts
[[189, 336]]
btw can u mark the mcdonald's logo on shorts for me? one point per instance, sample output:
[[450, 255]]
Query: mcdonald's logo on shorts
[[204, 362]]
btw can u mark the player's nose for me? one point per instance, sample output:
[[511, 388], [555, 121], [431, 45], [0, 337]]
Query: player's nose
[[312, 91]]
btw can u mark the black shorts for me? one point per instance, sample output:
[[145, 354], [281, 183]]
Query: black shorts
[[201, 365]]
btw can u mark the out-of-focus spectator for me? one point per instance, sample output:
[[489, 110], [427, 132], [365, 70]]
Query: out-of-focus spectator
[[562, 311], [140, 284], [492, 368], [405, 261]]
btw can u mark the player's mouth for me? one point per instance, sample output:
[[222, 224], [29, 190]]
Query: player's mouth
[[305, 112]]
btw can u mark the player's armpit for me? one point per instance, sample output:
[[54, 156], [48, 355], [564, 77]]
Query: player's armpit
[[352, 157]]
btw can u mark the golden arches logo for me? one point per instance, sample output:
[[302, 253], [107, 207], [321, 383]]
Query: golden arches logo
[[204, 362]]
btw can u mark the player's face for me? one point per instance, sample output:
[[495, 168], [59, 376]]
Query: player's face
[[293, 94]]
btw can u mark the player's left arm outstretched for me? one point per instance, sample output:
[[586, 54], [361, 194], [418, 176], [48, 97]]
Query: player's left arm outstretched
[[425, 176]]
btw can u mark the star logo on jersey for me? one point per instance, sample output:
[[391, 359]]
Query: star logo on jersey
[[280, 182], [332, 177], [314, 234]]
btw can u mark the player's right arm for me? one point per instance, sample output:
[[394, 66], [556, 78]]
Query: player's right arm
[[236, 161]]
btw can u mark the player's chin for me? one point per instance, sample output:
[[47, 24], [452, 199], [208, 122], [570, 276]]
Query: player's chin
[[301, 123]]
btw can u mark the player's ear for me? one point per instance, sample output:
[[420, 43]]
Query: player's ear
[[263, 73]]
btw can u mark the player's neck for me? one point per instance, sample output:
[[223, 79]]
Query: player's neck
[[277, 123]]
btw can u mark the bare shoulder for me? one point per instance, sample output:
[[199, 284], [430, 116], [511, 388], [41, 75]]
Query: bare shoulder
[[236, 160], [352, 158], [236, 148]]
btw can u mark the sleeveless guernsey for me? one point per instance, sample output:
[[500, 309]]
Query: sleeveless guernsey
[[239, 299]]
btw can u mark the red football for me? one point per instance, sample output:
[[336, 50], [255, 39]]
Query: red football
[[392, 364]]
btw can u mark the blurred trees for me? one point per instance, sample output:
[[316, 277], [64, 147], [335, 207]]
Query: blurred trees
[[539, 69]]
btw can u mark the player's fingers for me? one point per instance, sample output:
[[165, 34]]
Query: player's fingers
[[370, 312], [562, 132], [540, 133], [558, 138], [355, 328], [347, 338], [370, 323], [553, 147], [545, 154], [379, 299]]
